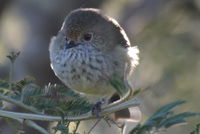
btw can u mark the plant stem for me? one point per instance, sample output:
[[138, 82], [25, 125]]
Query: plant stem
[[11, 75], [77, 125], [33, 125], [87, 116], [20, 104], [36, 126]]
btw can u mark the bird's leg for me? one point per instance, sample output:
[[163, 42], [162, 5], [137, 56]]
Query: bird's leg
[[94, 125], [96, 110], [110, 120]]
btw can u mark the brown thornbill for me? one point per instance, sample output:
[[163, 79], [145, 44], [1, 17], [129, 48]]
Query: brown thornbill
[[89, 49]]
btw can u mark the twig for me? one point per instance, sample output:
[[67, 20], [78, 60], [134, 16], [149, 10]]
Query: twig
[[32, 124], [77, 125], [35, 126], [111, 120], [94, 125], [20, 104], [87, 116], [12, 57], [11, 75], [123, 128], [106, 120]]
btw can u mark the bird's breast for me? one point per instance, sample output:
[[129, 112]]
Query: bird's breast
[[84, 70]]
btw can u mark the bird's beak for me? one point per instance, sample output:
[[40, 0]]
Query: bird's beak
[[70, 44]]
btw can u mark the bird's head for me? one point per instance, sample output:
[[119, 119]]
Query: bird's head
[[90, 26]]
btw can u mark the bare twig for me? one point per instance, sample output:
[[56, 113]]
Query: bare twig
[[87, 116]]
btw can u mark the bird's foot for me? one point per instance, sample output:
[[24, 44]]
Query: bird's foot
[[96, 110]]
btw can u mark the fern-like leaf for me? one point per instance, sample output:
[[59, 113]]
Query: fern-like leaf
[[163, 118]]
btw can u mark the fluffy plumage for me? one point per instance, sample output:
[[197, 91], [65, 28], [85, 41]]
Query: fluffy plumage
[[99, 48]]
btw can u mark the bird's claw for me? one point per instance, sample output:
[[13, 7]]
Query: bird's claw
[[96, 110]]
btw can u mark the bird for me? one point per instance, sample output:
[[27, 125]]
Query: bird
[[89, 49]]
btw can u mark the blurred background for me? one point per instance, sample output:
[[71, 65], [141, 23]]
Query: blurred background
[[167, 33]]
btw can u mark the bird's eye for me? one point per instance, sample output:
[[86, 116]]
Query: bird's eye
[[87, 36]]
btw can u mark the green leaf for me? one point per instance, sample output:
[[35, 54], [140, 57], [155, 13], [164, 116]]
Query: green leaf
[[4, 84], [62, 128], [1, 104], [197, 129], [30, 92], [60, 91], [163, 118], [168, 107], [56, 100], [20, 84], [177, 119], [13, 56]]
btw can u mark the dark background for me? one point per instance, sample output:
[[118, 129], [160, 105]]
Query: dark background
[[166, 31]]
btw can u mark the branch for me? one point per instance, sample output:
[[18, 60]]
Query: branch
[[87, 116], [33, 125], [20, 104]]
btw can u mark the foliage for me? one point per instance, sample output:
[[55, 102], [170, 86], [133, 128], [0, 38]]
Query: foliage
[[62, 128], [163, 119], [52, 99], [57, 100], [197, 129], [13, 56]]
